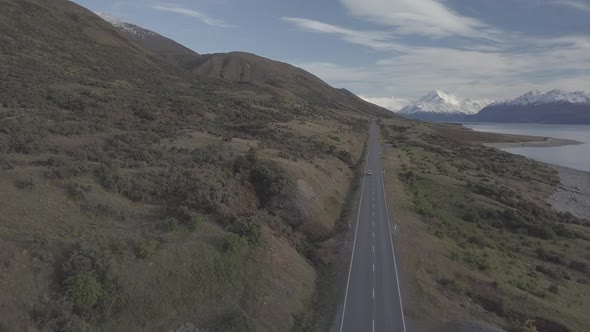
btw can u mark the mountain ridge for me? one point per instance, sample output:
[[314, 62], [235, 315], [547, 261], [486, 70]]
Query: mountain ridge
[[555, 106], [243, 67]]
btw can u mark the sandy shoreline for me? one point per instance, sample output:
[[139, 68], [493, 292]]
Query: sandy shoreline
[[574, 196], [547, 142]]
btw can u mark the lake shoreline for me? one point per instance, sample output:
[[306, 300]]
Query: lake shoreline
[[574, 194], [546, 143]]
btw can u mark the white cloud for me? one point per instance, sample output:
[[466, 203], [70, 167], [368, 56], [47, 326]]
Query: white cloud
[[391, 103], [479, 61], [378, 40], [575, 4], [192, 13], [421, 17], [542, 64]]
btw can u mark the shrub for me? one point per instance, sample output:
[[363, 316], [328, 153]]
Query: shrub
[[476, 260], [25, 184], [146, 248], [77, 191], [471, 215], [579, 265], [59, 316], [233, 243], [89, 284], [562, 230], [554, 289], [252, 231], [189, 218], [236, 322], [344, 156], [168, 225], [84, 291], [551, 256], [269, 180]]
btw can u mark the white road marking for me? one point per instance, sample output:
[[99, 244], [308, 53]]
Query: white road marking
[[373, 267], [373, 249], [373, 325], [373, 293], [395, 227], [373, 234], [353, 245], [399, 293]]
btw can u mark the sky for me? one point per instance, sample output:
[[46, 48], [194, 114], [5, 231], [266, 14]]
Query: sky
[[390, 51]]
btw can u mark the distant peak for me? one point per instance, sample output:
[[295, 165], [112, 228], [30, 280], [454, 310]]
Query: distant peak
[[436, 93], [438, 101], [554, 96]]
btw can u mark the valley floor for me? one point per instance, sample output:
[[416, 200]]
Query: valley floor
[[480, 246]]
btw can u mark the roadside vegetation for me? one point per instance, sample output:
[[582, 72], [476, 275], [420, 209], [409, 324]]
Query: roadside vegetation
[[137, 196], [486, 245]]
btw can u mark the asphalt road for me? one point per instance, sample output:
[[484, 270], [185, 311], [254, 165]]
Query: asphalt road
[[373, 300]]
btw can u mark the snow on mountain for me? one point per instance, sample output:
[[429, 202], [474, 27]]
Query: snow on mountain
[[128, 27], [537, 97], [438, 101]]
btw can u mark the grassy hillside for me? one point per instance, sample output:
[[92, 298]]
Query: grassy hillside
[[491, 249], [138, 196], [240, 67]]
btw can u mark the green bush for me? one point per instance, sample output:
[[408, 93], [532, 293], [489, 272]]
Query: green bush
[[551, 256], [270, 182], [84, 291], [252, 231], [168, 225], [89, 284], [146, 248], [233, 243], [189, 218]]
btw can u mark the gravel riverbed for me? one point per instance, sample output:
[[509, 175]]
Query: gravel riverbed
[[574, 194]]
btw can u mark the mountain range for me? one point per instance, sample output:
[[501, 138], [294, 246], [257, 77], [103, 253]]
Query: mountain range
[[440, 106], [555, 106], [242, 67]]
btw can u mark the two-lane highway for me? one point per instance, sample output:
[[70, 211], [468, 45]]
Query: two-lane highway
[[373, 301]]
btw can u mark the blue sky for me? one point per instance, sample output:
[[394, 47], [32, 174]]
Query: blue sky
[[390, 51]]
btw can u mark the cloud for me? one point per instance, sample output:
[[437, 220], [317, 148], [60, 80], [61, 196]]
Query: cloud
[[378, 40], [420, 17], [391, 103], [543, 63], [575, 4], [475, 60], [192, 13]]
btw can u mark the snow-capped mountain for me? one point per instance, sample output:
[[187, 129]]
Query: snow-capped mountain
[[555, 106], [553, 96], [165, 47], [440, 106]]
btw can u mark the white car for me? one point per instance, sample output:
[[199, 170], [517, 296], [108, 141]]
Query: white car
[[369, 172]]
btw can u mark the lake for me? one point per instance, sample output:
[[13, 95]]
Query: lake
[[573, 156]]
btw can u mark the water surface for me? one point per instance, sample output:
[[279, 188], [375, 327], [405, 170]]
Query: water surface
[[573, 156]]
